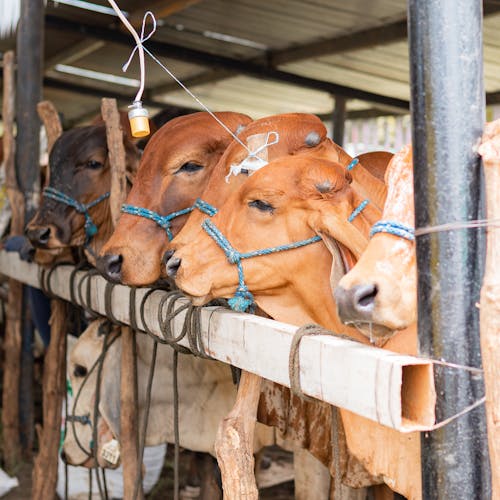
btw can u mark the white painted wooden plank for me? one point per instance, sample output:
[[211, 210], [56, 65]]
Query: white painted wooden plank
[[359, 378]]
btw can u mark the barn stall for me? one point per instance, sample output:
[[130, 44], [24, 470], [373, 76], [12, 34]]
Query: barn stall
[[343, 64]]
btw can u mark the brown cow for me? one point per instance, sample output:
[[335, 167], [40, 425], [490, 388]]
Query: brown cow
[[275, 207], [174, 169], [298, 134], [78, 171], [379, 295]]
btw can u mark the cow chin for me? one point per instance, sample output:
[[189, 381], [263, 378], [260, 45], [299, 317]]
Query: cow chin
[[377, 334]]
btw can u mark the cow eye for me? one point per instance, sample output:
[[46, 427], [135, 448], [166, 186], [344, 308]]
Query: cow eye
[[263, 206], [80, 371], [189, 167], [94, 164]]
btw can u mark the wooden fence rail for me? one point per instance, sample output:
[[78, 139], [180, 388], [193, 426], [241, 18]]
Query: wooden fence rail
[[377, 384]]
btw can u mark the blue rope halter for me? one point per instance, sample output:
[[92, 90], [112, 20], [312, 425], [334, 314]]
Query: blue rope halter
[[394, 228], [351, 165], [81, 208], [164, 220], [358, 210], [243, 298]]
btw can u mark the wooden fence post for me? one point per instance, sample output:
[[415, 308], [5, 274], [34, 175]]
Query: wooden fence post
[[128, 388], [11, 375], [54, 388], [54, 372], [490, 303]]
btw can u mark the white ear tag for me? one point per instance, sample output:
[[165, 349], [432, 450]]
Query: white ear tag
[[257, 158], [110, 451]]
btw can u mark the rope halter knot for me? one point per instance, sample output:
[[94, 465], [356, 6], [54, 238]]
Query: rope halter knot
[[165, 221], [243, 299], [81, 208]]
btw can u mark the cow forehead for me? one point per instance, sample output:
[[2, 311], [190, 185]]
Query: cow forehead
[[297, 172], [295, 131], [77, 145]]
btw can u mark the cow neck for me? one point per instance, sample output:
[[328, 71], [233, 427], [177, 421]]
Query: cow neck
[[308, 300]]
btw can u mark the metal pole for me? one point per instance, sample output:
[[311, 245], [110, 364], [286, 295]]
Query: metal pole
[[29, 51], [448, 114], [338, 120]]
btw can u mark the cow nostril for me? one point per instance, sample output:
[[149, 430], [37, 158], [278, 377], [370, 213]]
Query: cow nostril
[[356, 303], [173, 265], [167, 255], [365, 296], [39, 236], [64, 458], [44, 235], [110, 266]]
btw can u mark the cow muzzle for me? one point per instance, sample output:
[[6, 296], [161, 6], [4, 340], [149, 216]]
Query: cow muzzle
[[172, 263], [110, 266], [356, 303], [39, 236]]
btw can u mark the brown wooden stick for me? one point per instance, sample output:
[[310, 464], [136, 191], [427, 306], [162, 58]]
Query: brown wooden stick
[[54, 376], [11, 375], [50, 118], [54, 387], [129, 416], [129, 419], [235, 440], [490, 302], [116, 153]]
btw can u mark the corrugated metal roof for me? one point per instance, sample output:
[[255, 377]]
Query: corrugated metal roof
[[251, 29]]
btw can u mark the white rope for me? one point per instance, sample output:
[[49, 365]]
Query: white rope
[[138, 42], [141, 49]]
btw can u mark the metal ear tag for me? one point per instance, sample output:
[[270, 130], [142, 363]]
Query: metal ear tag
[[111, 451]]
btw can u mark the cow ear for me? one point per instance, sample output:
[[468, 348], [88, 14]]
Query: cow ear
[[338, 266]]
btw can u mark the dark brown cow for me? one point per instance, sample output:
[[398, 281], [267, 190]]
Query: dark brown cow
[[78, 169]]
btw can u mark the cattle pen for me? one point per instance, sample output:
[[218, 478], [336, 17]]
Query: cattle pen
[[428, 69]]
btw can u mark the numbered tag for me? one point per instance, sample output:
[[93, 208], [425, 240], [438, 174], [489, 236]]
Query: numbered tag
[[111, 451]]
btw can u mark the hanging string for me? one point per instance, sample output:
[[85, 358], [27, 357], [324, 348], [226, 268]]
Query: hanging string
[[139, 47]]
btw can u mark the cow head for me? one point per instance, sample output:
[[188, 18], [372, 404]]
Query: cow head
[[79, 438], [379, 294], [278, 205], [298, 133], [174, 170], [78, 168]]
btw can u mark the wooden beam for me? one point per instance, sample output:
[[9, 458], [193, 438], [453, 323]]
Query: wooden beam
[[374, 383], [160, 8], [364, 39], [12, 343], [73, 53]]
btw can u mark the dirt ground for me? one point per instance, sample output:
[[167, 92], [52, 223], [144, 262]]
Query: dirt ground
[[163, 489]]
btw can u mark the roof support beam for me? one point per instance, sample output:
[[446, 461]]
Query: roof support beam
[[389, 33], [163, 49], [74, 53], [160, 8]]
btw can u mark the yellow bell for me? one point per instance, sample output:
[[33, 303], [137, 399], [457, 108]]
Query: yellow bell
[[139, 121]]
